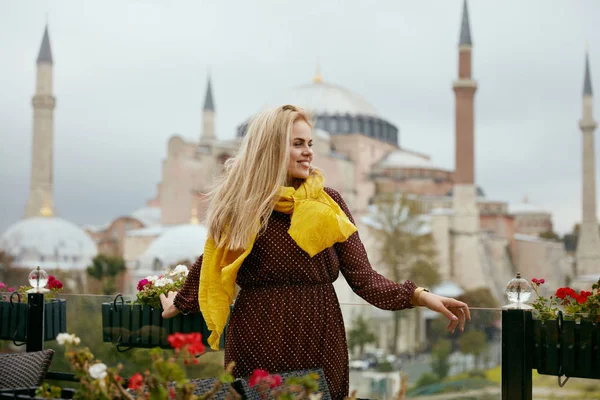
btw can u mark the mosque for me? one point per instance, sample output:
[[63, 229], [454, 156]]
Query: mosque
[[480, 242]]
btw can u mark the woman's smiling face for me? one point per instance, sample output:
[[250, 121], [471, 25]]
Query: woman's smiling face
[[301, 153]]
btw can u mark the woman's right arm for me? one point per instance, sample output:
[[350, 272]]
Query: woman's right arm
[[186, 300]]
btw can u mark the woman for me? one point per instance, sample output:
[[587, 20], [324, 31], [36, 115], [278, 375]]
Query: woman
[[283, 237]]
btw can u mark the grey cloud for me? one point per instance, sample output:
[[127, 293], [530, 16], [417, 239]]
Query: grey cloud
[[130, 74]]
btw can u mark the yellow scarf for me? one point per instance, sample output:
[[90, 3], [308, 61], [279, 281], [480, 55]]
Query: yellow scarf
[[317, 223]]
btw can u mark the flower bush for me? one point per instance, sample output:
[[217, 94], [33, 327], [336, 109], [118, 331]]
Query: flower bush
[[151, 287], [584, 305], [55, 286], [165, 379], [98, 381]]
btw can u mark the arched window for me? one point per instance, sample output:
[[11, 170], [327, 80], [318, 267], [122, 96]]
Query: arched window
[[355, 125], [333, 124]]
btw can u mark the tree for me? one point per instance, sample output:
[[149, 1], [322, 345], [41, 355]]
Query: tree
[[440, 358], [473, 342], [405, 247], [105, 270], [550, 235], [360, 335], [5, 264]]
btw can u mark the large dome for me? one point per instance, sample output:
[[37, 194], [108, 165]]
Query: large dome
[[323, 98], [182, 242], [50, 242], [334, 109]]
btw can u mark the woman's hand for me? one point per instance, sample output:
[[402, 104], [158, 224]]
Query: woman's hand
[[456, 311], [169, 309]]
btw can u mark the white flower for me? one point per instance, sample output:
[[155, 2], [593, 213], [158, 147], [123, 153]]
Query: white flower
[[162, 282], [152, 278], [98, 371], [180, 269], [67, 338]]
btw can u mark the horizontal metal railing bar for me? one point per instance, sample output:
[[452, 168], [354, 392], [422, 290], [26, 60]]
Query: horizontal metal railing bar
[[61, 376]]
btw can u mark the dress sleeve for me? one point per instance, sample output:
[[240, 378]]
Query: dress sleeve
[[362, 278], [186, 299]]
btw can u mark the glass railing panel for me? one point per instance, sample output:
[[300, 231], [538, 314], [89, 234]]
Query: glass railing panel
[[387, 351], [412, 349]]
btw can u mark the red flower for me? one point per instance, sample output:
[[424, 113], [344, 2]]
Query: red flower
[[177, 340], [142, 284], [172, 393], [257, 377], [196, 348], [54, 283], [191, 341], [135, 382], [542, 281], [563, 292], [534, 280]]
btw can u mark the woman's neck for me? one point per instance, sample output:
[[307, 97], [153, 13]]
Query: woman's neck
[[294, 182]]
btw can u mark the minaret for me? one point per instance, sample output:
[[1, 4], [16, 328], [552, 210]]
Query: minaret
[[208, 115], [41, 193], [588, 247], [466, 267]]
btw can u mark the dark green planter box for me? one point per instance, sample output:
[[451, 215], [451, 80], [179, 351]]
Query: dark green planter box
[[13, 320], [572, 350], [141, 326]]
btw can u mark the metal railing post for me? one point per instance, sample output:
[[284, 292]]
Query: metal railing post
[[517, 342], [35, 322]]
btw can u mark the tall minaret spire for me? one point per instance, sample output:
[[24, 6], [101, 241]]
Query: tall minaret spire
[[465, 29], [208, 115], [466, 266], [588, 247], [41, 193]]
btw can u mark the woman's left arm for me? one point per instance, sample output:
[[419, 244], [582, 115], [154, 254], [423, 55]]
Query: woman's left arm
[[362, 278], [382, 292]]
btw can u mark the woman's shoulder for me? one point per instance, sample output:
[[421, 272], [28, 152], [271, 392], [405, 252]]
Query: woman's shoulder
[[334, 194]]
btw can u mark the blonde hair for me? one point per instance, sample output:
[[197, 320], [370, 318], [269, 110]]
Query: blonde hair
[[241, 204]]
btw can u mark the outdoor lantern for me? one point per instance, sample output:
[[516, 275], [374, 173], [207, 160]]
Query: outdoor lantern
[[38, 279], [518, 292]]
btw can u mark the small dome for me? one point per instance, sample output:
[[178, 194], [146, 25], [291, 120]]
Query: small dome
[[323, 98], [50, 242], [182, 242], [406, 159], [149, 216], [527, 208]]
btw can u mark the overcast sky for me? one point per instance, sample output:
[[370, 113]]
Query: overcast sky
[[128, 74]]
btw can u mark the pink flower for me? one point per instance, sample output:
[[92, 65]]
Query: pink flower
[[11, 289], [142, 284], [2, 285], [257, 377], [261, 377], [275, 381]]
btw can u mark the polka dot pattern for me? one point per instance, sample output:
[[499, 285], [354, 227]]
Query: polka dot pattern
[[287, 316]]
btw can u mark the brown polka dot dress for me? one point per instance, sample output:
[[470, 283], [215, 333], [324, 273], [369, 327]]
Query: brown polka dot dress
[[287, 316]]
